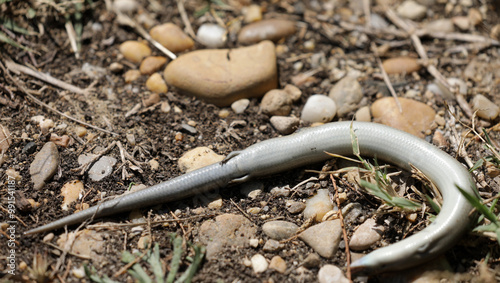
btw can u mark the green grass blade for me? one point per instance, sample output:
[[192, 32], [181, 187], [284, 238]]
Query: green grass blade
[[433, 204], [483, 209], [176, 258]]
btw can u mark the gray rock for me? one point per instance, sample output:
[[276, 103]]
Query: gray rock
[[272, 246], [239, 106], [285, 125], [366, 235], [484, 107], [279, 230], [276, 102], [323, 238], [101, 168], [347, 93], [45, 165], [351, 212], [311, 261]]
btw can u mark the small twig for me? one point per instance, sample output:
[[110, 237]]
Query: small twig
[[83, 168], [17, 68], [386, 78], [127, 21], [185, 19], [70, 30], [242, 211], [70, 253], [346, 240]]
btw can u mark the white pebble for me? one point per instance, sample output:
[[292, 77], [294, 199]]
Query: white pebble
[[319, 108], [239, 106], [211, 35], [125, 6], [259, 263]]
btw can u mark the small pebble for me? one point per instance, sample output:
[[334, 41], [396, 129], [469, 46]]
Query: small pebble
[[165, 107], [130, 139], [319, 108], [116, 67], [484, 107], [366, 235], [60, 141], [215, 204], [78, 272], [71, 192], [224, 113], [351, 212], [331, 274], [125, 6], [461, 22], [318, 205], [276, 102], [80, 131], [172, 37], [134, 51], [363, 114], [475, 17], [212, 35], [254, 243], [152, 100], [239, 106], [311, 261], [155, 83], [13, 174], [197, 158], [46, 125], [272, 29], [401, 65], [280, 191], [45, 164], [278, 264], [323, 238], [101, 168], [285, 125], [439, 140], [152, 64], [440, 25], [296, 207], [259, 263], [48, 238], [279, 230], [347, 93], [252, 13], [131, 75], [411, 10], [272, 246]]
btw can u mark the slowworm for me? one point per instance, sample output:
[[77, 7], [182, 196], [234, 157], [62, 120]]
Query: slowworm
[[309, 146]]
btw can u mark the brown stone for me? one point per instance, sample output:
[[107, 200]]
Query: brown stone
[[272, 29], [152, 64], [401, 65], [223, 76], [134, 51], [172, 37], [416, 117]]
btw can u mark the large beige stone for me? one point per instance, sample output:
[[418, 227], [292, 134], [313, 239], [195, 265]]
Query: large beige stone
[[416, 117], [223, 76]]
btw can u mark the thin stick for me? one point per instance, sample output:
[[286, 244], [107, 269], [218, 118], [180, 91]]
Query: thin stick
[[127, 21], [44, 77], [39, 102], [347, 252], [185, 19], [386, 79]]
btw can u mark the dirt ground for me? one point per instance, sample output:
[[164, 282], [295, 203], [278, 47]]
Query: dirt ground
[[161, 136]]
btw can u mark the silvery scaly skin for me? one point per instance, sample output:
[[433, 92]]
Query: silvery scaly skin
[[309, 146]]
